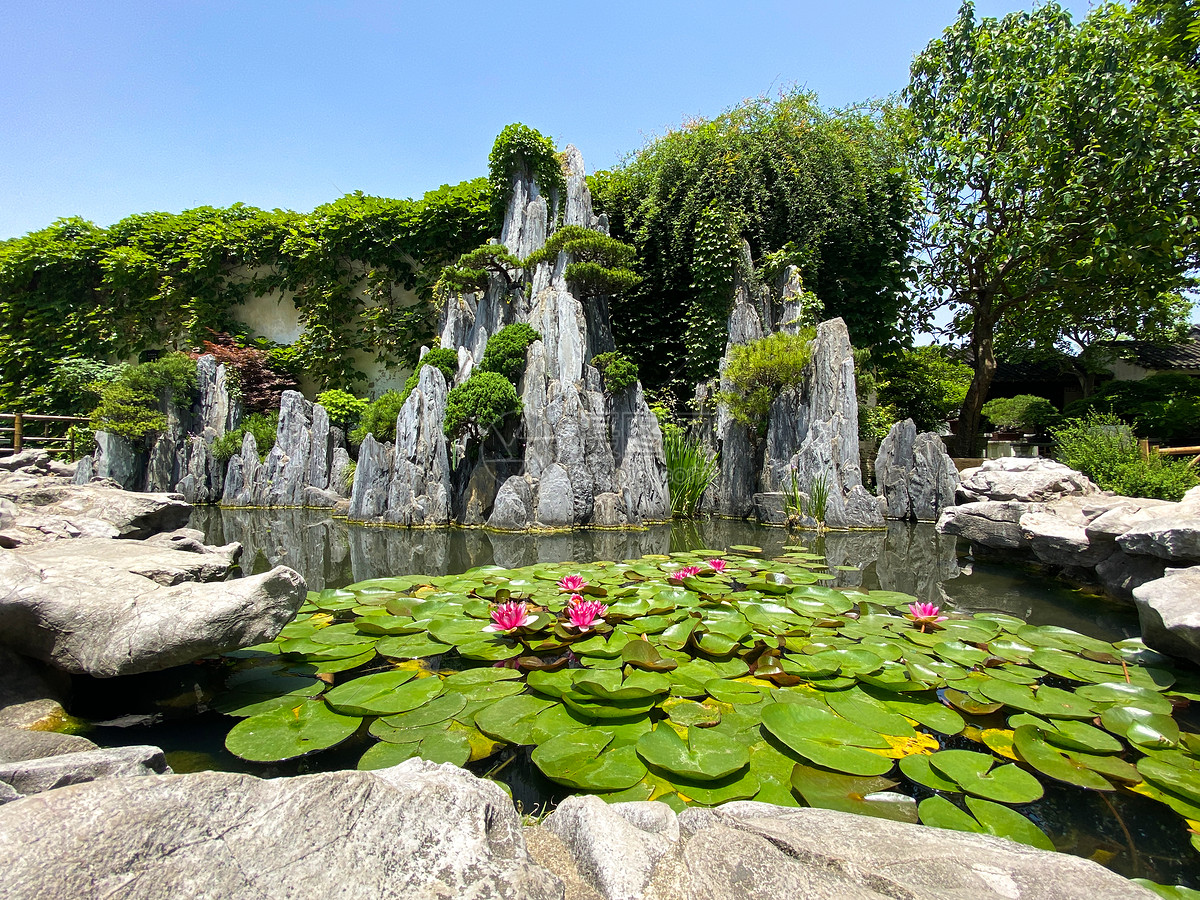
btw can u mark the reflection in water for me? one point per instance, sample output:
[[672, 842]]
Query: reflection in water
[[913, 559]]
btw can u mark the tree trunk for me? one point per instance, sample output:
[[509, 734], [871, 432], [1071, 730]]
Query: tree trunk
[[983, 347]]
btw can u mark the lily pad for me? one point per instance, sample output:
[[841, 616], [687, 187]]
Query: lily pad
[[438, 746], [385, 694], [439, 709], [290, 731], [512, 718], [849, 793], [978, 774], [826, 739], [705, 755], [1031, 746], [580, 760]]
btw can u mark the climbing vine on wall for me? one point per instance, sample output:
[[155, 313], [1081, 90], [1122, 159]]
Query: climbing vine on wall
[[74, 290]]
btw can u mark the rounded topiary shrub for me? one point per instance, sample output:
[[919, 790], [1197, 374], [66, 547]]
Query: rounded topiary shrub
[[479, 405], [505, 351]]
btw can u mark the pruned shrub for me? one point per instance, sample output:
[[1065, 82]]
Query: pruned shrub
[[505, 351], [618, 371], [1105, 449], [760, 371], [129, 405], [1165, 407], [343, 407], [264, 427], [379, 418], [478, 405], [1024, 412]]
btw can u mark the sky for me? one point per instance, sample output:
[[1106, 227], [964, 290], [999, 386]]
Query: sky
[[114, 108]]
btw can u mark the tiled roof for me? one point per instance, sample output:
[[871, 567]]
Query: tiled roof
[[1162, 356]]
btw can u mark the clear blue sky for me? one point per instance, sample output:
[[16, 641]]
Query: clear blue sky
[[113, 108]]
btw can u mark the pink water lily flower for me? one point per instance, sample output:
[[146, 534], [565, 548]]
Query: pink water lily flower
[[509, 616], [925, 614], [717, 565], [572, 583], [685, 572], [585, 614]]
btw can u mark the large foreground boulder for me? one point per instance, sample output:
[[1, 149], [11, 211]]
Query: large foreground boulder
[[112, 615], [418, 830], [1169, 613]]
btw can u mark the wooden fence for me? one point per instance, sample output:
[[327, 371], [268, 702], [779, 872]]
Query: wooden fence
[[23, 431]]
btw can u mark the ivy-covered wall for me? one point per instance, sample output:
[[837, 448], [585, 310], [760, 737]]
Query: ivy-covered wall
[[350, 269]]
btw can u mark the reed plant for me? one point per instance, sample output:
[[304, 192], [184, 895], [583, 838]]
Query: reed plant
[[691, 468]]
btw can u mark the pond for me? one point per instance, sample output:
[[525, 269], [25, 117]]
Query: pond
[[1131, 833]]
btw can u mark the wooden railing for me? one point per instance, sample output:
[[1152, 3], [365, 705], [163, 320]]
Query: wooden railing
[[21, 431], [1147, 448]]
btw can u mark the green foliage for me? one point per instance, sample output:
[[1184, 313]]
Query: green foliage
[[599, 264], [925, 385], [72, 388], [875, 421], [505, 350], [520, 149], [379, 418], [348, 477], [130, 405], [1051, 159], [617, 370], [74, 290], [471, 272], [825, 188], [478, 405], [760, 371], [445, 359], [264, 427], [1104, 448], [343, 407], [818, 498], [691, 467], [1024, 411], [1165, 407]]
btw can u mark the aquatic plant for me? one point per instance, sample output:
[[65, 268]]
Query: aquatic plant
[[748, 680], [691, 467], [571, 583], [818, 498]]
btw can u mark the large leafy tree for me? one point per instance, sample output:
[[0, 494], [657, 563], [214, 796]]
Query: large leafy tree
[[823, 191], [1058, 172]]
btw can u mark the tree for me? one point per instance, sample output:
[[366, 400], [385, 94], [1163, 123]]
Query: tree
[[1056, 167], [825, 191]]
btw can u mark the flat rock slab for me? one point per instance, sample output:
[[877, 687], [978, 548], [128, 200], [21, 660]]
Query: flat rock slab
[[1024, 480], [991, 523], [131, 515], [417, 830], [100, 559], [1175, 538], [37, 775], [19, 744], [753, 850], [108, 621], [1169, 613]]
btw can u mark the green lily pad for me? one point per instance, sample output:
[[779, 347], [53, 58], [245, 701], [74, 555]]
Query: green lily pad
[[410, 646], [608, 684], [1045, 701], [938, 812], [690, 713], [1031, 746], [437, 710], [853, 794], [552, 684], [267, 693], [1184, 781], [1120, 693], [974, 774], [289, 731], [580, 760], [439, 747], [1140, 726], [826, 739], [385, 694], [971, 705], [705, 755], [858, 706], [1069, 734], [512, 718], [917, 768], [1008, 823]]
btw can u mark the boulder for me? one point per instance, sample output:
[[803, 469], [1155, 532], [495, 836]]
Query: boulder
[[1060, 539], [36, 459], [372, 474], [512, 509], [418, 830], [917, 478], [1033, 480], [989, 523], [33, 776], [18, 744], [31, 694], [97, 559], [770, 508], [555, 504], [118, 459], [132, 515], [418, 490], [745, 849], [1175, 538], [615, 846], [1122, 572], [1169, 613], [105, 620]]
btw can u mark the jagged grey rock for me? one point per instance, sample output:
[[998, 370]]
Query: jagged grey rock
[[130, 514], [1057, 534], [1169, 613], [98, 557], [106, 621], [419, 487], [556, 503], [1175, 538], [84, 470], [33, 776], [372, 474], [512, 510], [916, 476], [1122, 572], [770, 508], [745, 849], [339, 467], [116, 458], [1032, 480], [990, 523], [615, 846], [418, 830], [37, 459], [18, 744]]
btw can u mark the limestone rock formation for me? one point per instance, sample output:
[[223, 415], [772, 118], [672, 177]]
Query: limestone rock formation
[[1033, 480], [917, 478], [416, 830], [1169, 612], [33, 776]]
